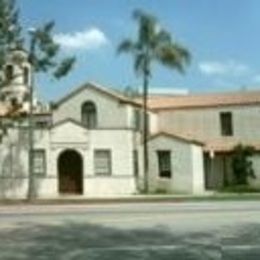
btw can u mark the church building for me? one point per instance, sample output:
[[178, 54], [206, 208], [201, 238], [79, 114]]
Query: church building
[[89, 143]]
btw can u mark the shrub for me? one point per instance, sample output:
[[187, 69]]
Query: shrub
[[242, 165]]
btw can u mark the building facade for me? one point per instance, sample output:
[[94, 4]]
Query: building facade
[[89, 143]]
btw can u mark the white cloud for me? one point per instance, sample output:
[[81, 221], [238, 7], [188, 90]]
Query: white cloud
[[229, 67], [88, 39]]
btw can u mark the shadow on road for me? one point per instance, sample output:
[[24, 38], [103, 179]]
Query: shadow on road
[[71, 240]]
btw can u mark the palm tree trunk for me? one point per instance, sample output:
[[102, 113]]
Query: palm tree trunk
[[145, 131]]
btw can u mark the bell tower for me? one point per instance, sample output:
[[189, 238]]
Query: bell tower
[[16, 78]]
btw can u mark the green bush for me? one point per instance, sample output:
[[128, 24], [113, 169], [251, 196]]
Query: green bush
[[240, 189], [242, 165]]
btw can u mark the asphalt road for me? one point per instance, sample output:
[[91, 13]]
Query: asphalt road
[[205, 230]]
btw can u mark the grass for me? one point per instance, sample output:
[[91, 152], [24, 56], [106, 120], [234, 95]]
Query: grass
[[240, 189]]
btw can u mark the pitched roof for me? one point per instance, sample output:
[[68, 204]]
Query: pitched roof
[[228, 144], [66, 120], [217, 145], [204, 100], [176, 136], [107, 91]]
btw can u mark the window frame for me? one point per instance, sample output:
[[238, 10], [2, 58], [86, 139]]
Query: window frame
[[137, 120], [226, 123], [9, 72], [26, 75], [43, 166], [136, 163], [164, 174], [109, 172], [89, 117]]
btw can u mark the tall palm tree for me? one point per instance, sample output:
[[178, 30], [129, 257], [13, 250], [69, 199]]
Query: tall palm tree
[[153, 44]]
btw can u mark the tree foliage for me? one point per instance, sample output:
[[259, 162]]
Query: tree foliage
[[152, 44], [43, 50], [242, 165], [10, 28]]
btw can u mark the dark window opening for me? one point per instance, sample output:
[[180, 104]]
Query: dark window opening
[[89, 115], [136, 165], [26, 75], [137, 120], [164, 163], [41, 124], [14, 102], [226, 123], [9, 72]]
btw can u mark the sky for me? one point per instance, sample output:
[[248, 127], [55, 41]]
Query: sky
[[223, 37]]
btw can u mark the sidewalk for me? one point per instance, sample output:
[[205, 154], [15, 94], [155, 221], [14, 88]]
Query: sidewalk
[[151, 198]]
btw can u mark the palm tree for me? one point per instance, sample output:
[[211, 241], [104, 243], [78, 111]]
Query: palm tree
[[153, 44]]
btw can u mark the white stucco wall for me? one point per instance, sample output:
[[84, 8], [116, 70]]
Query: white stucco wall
[[198, 170], [204, 123], [256, 166], [186, 160], [14, 161], [110, 112]]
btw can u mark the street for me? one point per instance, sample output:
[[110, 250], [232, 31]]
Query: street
[[184, 230]]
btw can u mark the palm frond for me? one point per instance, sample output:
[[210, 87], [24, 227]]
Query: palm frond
[[163, 37], [139, 64], [64, 67], [126, 45], [173, 56]]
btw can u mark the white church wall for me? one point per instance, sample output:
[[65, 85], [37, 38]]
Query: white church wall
[[186, 166], [110, 112]]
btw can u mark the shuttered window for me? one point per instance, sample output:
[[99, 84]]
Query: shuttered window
[[102, 161], [39, 162]]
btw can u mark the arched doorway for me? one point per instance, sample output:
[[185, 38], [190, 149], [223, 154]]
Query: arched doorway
[[70, 171]]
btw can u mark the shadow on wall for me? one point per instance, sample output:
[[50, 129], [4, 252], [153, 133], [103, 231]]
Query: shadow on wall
[[14, 157], [71, 240]]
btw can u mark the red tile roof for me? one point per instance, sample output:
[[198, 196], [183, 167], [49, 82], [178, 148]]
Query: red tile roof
[[203, 100]]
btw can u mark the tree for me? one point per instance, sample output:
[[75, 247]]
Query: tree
[[242, 165], [10, 29], [43, 55], [152, 44]]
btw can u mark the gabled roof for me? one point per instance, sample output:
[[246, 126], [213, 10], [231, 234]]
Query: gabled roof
[[157, 102], [109, 92], [175, 136], [64, 121], [227, 144]]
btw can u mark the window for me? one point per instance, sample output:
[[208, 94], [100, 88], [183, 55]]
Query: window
[[9, 72], [41, 124], [164, 163], [89, 115], [226, 123], [147, 117], [137, 120], [26, 75], [39, 162], [102, 162], [135, 160], [14, 102]]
